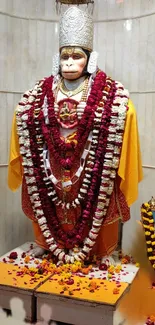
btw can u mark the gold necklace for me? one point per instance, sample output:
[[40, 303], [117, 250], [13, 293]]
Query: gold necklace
[[82, 100], [71, 93], [85, 91]]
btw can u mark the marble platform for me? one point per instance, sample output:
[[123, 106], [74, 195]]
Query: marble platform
[[84, 309]]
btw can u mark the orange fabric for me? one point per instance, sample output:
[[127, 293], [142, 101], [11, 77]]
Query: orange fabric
[[15, 170], [139, 302], [130, 166], [107, 240], [106, 243]]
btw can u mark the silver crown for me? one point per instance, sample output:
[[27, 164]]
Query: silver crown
[[76, 29]]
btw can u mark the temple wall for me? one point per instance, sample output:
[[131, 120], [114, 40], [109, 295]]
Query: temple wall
[[124, 38]]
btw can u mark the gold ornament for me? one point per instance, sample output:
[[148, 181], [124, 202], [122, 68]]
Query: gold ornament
[[71, 93]]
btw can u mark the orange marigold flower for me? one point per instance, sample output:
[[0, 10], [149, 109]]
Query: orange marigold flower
[[115, 291], [152, 318], [25, 270], [90, 267], [127, 257], [124, 261], [74, 268], [58, 270], [92, 284], [118, 268], [27, 259], [111, 269], [36, 261], [85, 270]]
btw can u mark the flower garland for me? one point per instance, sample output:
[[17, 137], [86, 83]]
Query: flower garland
[[89, 164], [76, 236], [149, 228], [101, 170], [57, 146]]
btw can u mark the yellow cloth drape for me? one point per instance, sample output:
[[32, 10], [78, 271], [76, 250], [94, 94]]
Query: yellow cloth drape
[[15, 170], [130, 167]]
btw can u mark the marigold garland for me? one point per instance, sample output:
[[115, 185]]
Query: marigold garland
[[149, 229]]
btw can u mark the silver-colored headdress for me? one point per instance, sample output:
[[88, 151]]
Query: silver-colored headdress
[[76, 29]]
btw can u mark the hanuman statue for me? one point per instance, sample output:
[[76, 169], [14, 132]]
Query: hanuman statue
[[75, 149]]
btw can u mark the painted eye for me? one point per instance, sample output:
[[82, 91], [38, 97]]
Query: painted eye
[[77, 56], [65, 57]]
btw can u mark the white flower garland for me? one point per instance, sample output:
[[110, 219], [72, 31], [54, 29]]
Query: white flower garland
[[110, 165]]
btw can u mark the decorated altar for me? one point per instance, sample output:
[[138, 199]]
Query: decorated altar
[[69, 288], [71, 149]]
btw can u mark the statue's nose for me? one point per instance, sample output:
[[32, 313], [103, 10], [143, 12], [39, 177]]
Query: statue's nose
[[69, 62]]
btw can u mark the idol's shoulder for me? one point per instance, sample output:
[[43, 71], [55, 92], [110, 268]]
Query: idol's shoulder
[[122, 96], [30, 95], [117, 82], [123, 90], [37, 85]]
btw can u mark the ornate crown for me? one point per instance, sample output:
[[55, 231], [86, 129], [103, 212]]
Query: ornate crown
[[76, 29]]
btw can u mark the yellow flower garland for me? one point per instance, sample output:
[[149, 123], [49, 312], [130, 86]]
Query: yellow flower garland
[[149, 229]]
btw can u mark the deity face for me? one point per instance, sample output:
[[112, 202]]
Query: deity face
[[72, 61]]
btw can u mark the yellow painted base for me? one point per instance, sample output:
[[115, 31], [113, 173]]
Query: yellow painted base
[[95, 290], [8, 277]]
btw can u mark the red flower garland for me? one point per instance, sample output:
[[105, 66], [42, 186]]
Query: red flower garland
[[77, 235], [100, 169], [57, 146]]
